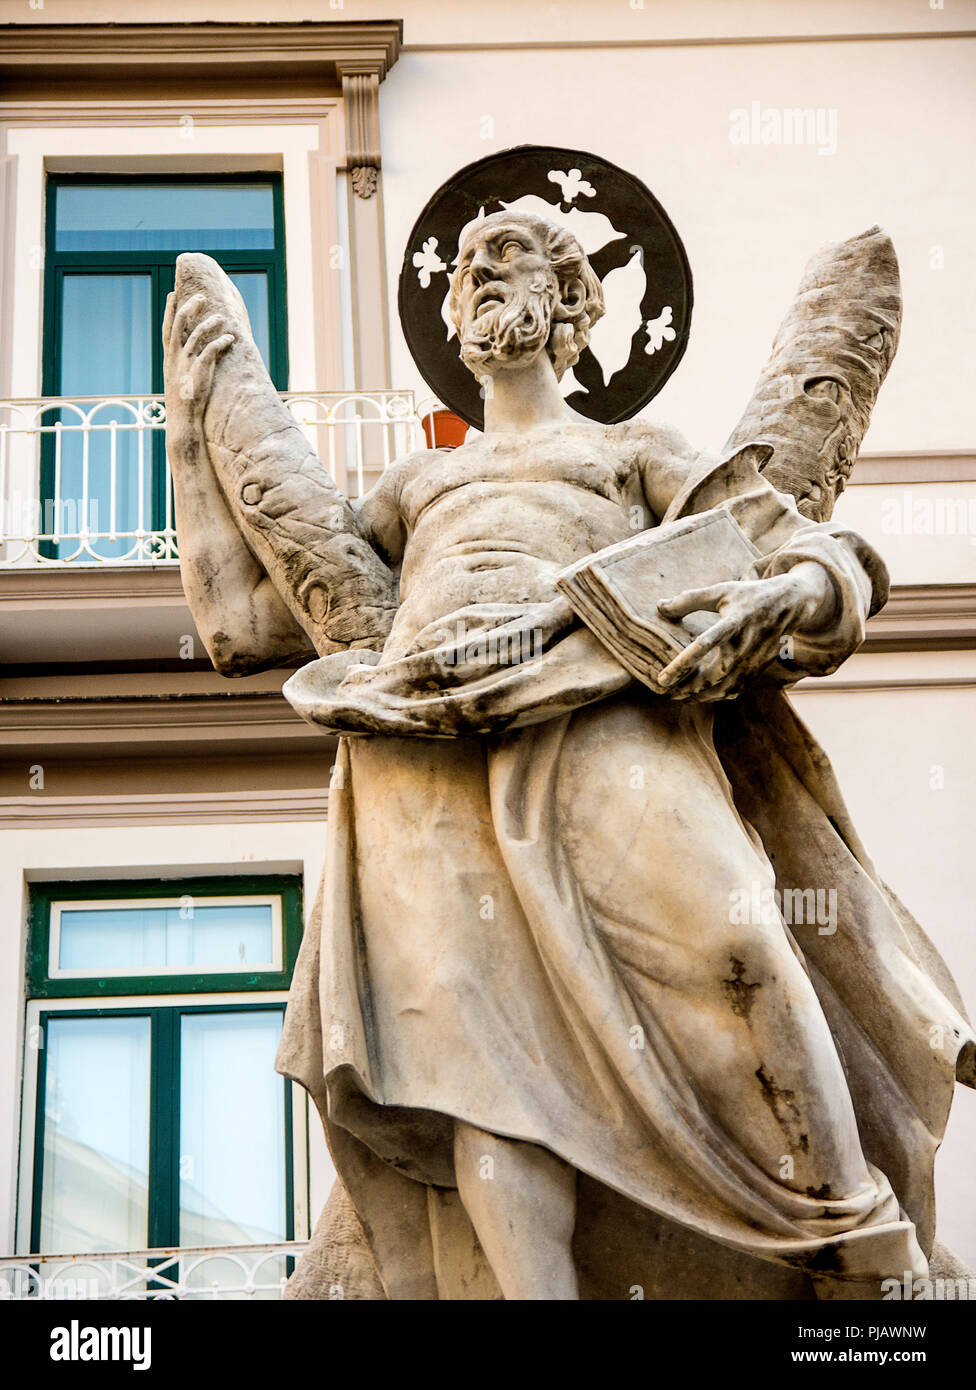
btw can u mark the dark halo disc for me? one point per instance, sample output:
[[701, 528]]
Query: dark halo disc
[[628, 237]]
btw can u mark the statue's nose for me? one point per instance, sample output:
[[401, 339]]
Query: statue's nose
[[482, 268]]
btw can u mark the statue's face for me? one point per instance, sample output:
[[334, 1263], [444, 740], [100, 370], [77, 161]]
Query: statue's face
[[505, 294]]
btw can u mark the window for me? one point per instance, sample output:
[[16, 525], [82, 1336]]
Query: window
[[157, 1119], [112, 245]]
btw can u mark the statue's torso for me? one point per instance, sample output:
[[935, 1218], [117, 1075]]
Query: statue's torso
[[495, 521]]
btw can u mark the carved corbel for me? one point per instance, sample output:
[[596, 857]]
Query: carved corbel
[[360, 94]]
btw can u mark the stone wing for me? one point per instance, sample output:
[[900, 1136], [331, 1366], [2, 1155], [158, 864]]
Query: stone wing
[[832, 351], [295, 521]]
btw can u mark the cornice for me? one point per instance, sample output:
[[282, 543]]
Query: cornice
[[41, 59], [374, 44], [915, 466]]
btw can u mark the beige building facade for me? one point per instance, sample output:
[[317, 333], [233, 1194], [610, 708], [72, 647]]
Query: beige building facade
[[765, 131]]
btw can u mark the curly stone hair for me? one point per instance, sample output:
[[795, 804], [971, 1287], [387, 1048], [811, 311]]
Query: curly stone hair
[[578, 295]]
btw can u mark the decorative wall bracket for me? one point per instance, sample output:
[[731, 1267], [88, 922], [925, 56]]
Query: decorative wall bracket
[[360, 95]]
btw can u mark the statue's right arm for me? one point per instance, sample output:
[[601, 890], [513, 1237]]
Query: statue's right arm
[[298, 527], [244, 624]]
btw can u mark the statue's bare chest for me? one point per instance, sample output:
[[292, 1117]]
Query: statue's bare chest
[[578, 457]]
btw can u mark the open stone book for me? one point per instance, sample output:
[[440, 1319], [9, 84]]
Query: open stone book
[[616, 591]]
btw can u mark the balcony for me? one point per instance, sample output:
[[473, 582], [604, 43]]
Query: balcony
[[85, 482], [231, 1272]]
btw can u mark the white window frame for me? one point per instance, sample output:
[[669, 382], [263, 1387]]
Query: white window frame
[[298, 138], [272, 900]]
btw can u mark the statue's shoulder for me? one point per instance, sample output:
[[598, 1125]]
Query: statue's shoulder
[[660, 455], [652, 440], [407, 466], [654, 445]]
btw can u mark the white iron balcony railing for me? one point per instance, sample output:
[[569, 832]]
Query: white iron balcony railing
[[216, 1271], [85, 481]]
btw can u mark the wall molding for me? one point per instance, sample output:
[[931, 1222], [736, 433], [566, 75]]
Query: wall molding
[[915, 466], [118, 719], [924, 617], [917, 617], [688, 41], [361, 99], [41, 586], [51, 811], [829, 686]]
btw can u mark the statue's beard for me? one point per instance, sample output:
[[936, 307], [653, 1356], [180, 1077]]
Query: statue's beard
[[516, 327]]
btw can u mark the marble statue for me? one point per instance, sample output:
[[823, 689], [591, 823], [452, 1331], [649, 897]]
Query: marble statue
[[565, 1037]]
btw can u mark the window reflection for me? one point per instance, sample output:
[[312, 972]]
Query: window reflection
[[232, 1136], [253, 285], [96, 1135], [178, 216], [142, 939]]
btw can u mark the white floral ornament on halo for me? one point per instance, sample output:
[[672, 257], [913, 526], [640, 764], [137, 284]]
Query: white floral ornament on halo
[[659, 331], [428, 262], [572, 184]]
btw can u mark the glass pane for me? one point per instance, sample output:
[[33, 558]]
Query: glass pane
[[94, 1193], [133, 940], [164, 217], [102, 476], [232, 1130], [253, 285], [106, 342]]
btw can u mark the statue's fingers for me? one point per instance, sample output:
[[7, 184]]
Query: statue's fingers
[[731, 654], [687, 661], [752, 663], [183, 318], [729, 689], [694, 601], [168, 317], [725, 688], [215, 324], [708, 671], [207, 360]]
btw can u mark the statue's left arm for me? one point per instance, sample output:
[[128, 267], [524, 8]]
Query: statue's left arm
[[784, 466], [805, 610]]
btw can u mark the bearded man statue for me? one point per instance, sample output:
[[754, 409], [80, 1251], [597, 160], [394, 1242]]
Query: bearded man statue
[[551, 1060]]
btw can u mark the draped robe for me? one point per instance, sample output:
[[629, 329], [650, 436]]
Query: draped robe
[[473, 959]]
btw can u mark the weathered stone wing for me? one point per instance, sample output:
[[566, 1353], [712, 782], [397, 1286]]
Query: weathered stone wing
[[294, 519], [815, 395]]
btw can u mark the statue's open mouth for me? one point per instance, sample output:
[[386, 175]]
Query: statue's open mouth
[[488, 299]]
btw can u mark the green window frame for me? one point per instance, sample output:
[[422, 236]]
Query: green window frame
[[41, 984], [165, 1000], [164, 1116], [160, 266]]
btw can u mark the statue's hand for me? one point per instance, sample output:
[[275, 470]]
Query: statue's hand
[[193, 342], [754, 618]]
